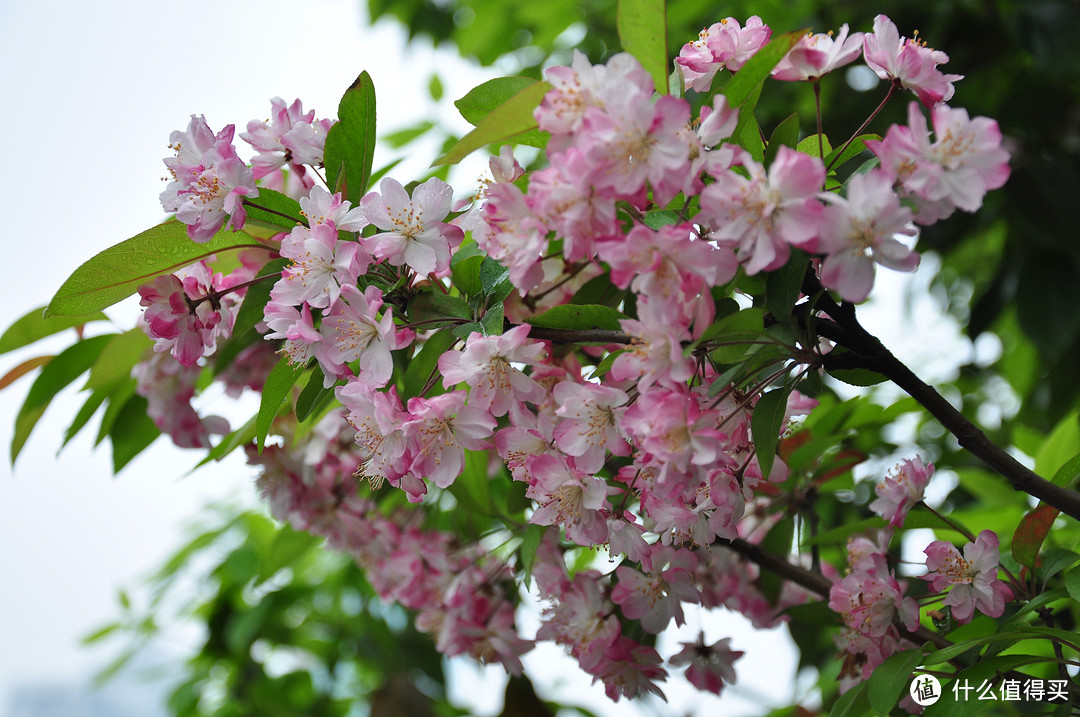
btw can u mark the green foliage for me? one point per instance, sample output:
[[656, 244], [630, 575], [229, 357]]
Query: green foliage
[[117, 272], [350, 143], [510, 119], [34, 326], [643, 33]]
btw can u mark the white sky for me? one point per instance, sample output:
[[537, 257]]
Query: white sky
[[92, 91]]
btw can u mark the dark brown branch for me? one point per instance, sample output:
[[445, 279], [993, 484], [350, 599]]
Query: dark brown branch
[[815, 582], [578, 336], [866, 351]]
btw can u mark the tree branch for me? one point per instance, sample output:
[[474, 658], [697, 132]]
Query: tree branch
[[868, 352]]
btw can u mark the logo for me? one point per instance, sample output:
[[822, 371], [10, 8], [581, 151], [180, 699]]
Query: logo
[[925, 690]]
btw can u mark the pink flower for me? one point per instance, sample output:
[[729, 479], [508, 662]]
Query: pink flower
[[290, 137], [710, 667], [321, 265], [179, 317], [570, 498], [972, 577], [861, 229], [351, 331], [209, 180], [766, 213], [321, 207], [722, 44], [657, 597], [816, 55], [581, 618], [485, 365], [591, 423], [296, 326], [629, 669], [910, 62], [413, 230], [439, 430], [901, 489], [168, 387]]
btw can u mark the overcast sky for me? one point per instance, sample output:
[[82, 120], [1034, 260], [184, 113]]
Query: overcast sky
[[92, 91]]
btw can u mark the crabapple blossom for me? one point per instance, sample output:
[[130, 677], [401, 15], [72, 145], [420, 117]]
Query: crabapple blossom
[[860, 230], [971, 576], [321, 207], [438, 431], [291, 137], [413, 229], [709, 667], [209, 180], [725, 44], [909, 62], [956, 170], [590, 426], [570, 498], [168, 387], [901, 489], [486, 366], [767, 213], [351, 332], [321, 265], [816, 55], [183, 317], [656, 597]]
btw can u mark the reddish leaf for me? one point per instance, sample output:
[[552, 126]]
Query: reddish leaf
[[22, 369], [1031, 533]]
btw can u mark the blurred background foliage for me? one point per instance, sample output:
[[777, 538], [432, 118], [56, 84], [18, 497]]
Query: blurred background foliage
[[294, 629]]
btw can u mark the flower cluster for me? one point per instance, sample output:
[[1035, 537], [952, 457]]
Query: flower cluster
[[646, 441]]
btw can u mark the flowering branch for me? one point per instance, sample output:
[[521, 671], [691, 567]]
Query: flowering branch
[[867, 351]]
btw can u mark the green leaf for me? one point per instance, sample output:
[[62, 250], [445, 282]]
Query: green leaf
[[436, 309], [1072, 584], [778, 542], [890, 679], [117, 359], [240, 437], [511, 118], [786, 134], [835, 159], [314, 397], [276, 389], [402, 137], [131, 432], [1030, 534], [249, 315], [350, 143], [68, 365], [1061, 446], [425, 362], [809, 145], [747, 82], [493, 320], [783, 286], [117, 272], [530, 543], [643, 33], [482, 100], [466, 274], [33, 326], [1067, 474], [84, 414], [495, 280], [579, 317], [435, 87], [267, 209], [766, 422], [473, 486], [852, 703]]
